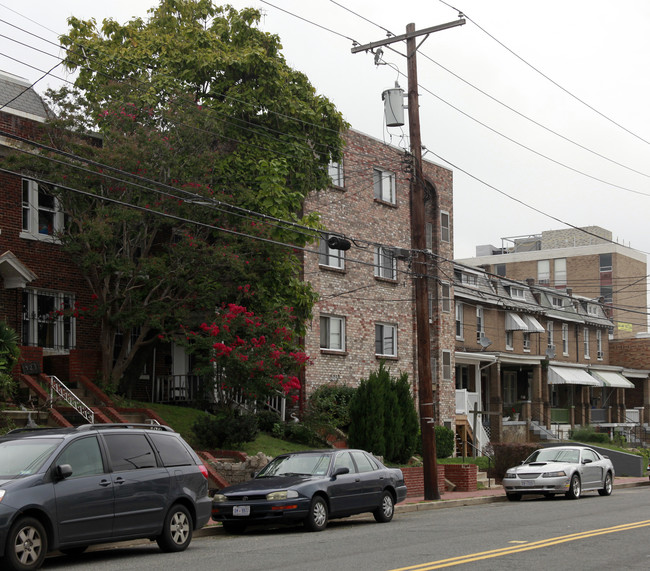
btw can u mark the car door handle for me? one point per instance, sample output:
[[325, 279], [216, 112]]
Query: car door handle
[[119, 480], [104, 483], [357, 479]]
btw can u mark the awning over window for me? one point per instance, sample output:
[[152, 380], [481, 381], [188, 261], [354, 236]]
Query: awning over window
[[515, 323], [533, 325], [14, 273], [612, 379], [570, 376]]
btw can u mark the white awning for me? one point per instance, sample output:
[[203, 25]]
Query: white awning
[[14, 273], [515, 323], [534, 326], [612, 379], [570, 376]]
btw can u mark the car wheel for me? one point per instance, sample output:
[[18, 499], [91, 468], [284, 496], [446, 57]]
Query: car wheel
[[177, 530], [235, 527], [575, 488], [606, 490], [384, 513], [317, 517], [513, 497], [26, 545]]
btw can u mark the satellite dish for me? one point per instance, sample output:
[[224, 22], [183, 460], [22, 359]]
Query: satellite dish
[[550, 352], [485, 342]]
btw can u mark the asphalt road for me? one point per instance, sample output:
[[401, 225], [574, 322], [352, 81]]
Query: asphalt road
[[591, 533]]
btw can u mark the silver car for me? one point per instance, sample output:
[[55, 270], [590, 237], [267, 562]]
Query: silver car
[[568, 470]]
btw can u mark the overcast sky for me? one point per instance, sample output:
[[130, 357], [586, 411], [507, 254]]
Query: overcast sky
[[580, 157]]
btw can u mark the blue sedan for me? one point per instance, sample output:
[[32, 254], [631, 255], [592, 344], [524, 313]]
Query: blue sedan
[[311, 487]]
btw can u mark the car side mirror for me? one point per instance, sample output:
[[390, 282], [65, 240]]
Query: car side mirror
[[341, 470], [63, 471], [587, 461]]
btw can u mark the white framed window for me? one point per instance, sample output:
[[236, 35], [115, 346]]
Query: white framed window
[[557, 301], [565, 338], [559, 270], [384, 185], [599, 344], [550, 341], [335, 170], [509, 387], [543, 272], [509, 340], [592, 309], [459, 320], [42, 215], [445, 231], [480, 324], [48, 319], [330, 257], [517, 292], [385, 339], [585, 340], [385, 263], [446, 365], [526, 341], [445, 293], [332, 333]]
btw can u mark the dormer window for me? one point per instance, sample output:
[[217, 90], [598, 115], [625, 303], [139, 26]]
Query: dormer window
[[592, 309], [517, 292], [557, 301]]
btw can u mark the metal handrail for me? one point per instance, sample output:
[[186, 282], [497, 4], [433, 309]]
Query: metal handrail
[[57, 386]]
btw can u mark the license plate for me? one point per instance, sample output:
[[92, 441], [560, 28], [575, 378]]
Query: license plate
[[241, 510], [528, 483]]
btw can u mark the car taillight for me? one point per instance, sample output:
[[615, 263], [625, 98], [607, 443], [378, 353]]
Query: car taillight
[[204, 471]]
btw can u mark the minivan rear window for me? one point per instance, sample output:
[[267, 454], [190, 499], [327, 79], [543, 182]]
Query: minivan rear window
[[171, 450], [129, 452], [25, 456]]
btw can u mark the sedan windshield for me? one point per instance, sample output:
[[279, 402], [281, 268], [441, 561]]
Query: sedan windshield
[[24, 457], [297, 465], [571, 456]]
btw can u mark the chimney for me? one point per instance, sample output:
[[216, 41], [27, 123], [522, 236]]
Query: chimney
[[530, 281]]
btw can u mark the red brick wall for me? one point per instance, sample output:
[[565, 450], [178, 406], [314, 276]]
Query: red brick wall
[[463, 475]]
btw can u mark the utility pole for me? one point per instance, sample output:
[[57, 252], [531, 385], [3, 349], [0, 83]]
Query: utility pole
[[418, 243]]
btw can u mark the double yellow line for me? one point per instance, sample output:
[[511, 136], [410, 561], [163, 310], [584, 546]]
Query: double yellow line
[[442, 563]]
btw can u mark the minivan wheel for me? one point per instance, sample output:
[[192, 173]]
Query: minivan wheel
[[26, 545], [177, 530]]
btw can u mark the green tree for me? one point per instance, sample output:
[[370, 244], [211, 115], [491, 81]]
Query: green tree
[[9, 354], [193, 118], [383, 418]]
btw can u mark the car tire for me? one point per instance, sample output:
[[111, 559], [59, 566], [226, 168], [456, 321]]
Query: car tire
[[234, 527], [575, 488], [317, 517], [177, 530], [513, 497], [26, 545], [608, 485], [384, 513]]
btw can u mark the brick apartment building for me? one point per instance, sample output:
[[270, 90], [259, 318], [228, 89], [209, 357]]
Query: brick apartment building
[[366, 310], [585, 260]]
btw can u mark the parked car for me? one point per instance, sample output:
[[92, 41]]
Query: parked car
[[311, 487], [568, 470], [65, 489]]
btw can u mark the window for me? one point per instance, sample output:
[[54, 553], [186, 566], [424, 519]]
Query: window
[[559, 270], [335, 170], [605, 261], [526, 341], [385, 264], [446, 297], [171, 450], [565, 338], [599, 344], [446, 365], [480, 324], [557, 301], [444, 227], [332, 333], [585, 332], [592, 309], [84, 457], [467, 279], [543, 272], [48, 320], [509, 387], [384, 184], [517, 292], [459, 320], [42, 216], [549, 334], [363, 462], [385, 340], [429, 236], [330, 257], [344, 460], [509, 340], [129, 452], [500, 270]]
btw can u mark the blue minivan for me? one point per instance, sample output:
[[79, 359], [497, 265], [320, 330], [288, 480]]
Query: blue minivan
[[65, 489]]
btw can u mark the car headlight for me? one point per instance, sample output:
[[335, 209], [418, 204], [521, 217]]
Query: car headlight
[[511, 474], [283, 495], [218, 498], [557, 474], [2, 494]]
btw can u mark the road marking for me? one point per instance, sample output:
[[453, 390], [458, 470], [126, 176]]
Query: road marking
[[463, 559]]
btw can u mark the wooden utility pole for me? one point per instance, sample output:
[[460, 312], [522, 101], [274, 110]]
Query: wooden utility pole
[[418, 243]]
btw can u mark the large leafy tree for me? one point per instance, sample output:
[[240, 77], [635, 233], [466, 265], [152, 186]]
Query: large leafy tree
[[194, 120]]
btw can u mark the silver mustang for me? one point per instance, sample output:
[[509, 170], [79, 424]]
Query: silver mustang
[[568, 470]]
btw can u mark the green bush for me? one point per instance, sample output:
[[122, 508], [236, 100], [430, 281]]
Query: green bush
[[445, 442], [589, 434], [329, 405], [509, 455], [302, 434], [383, 418], [225, 430], [267, 419]]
